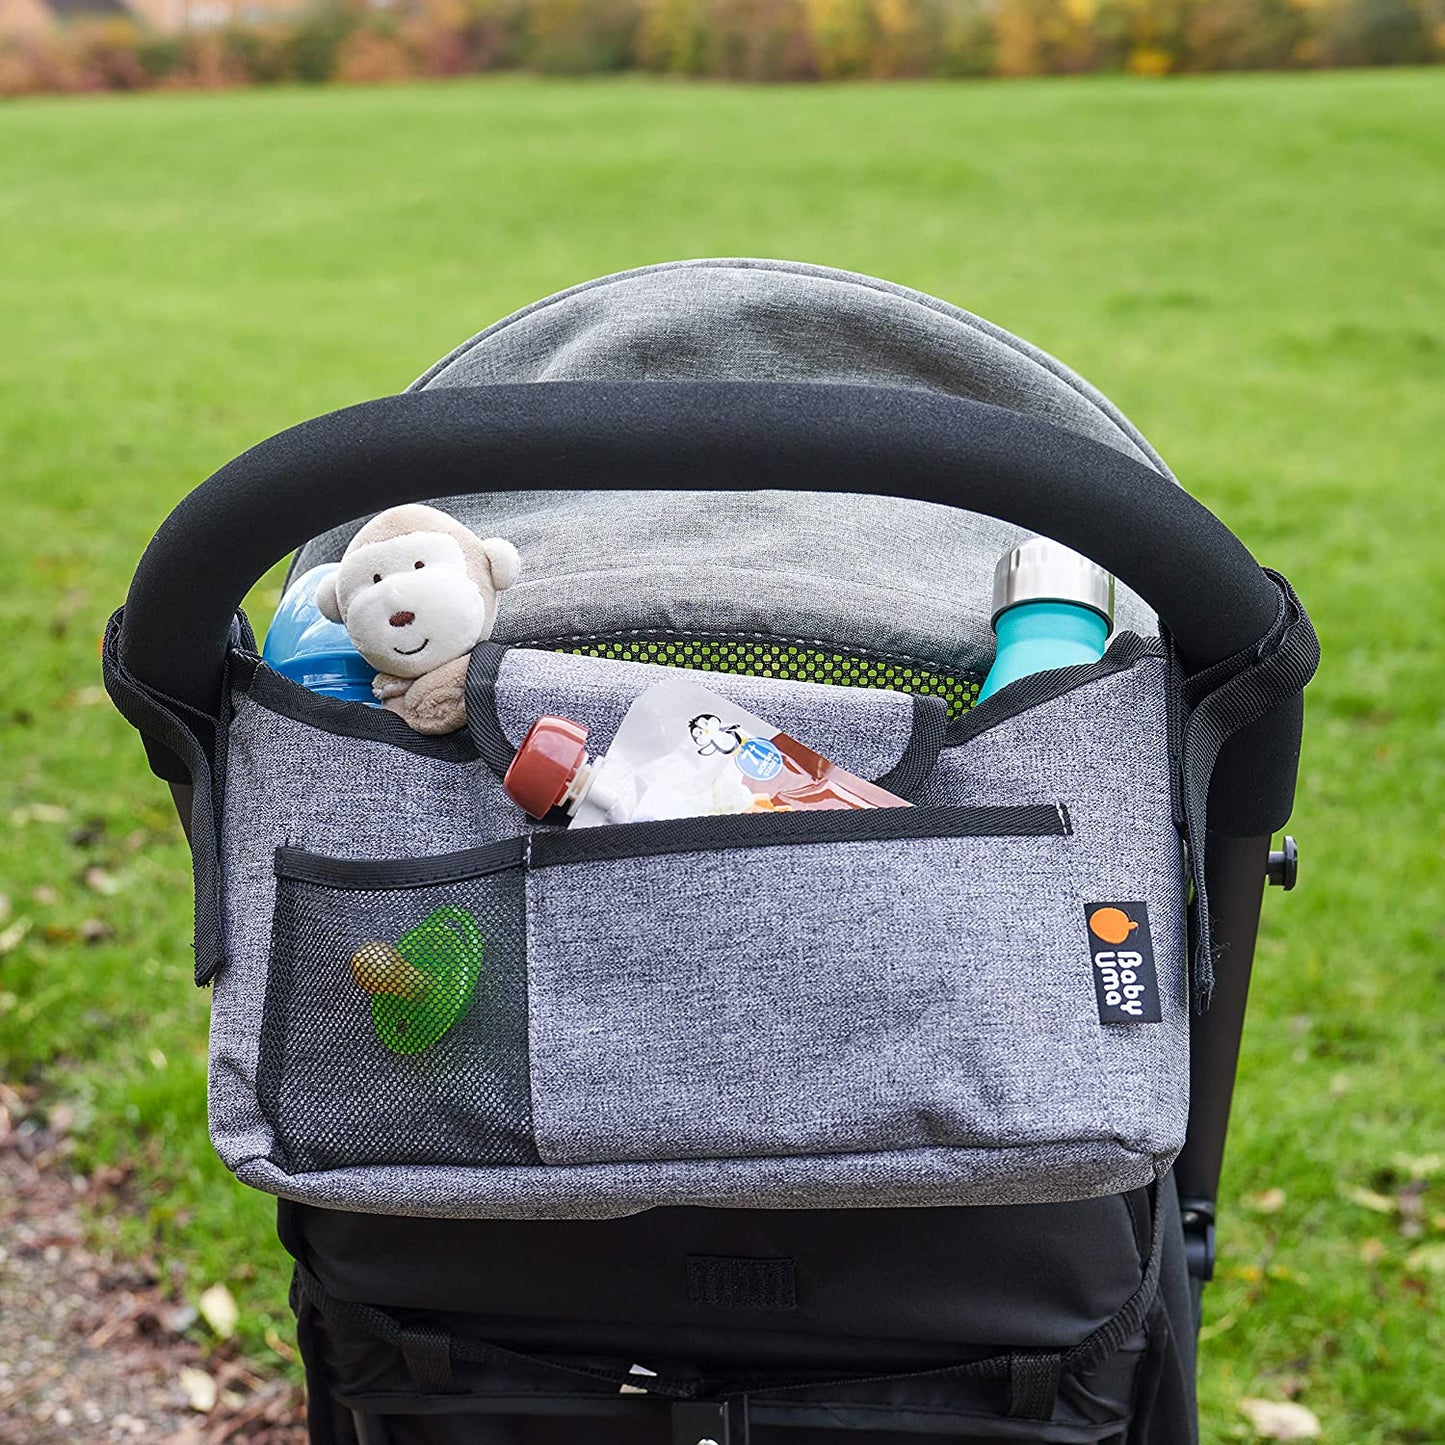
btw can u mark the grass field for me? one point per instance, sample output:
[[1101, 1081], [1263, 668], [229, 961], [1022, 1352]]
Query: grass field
[[1254, 268]]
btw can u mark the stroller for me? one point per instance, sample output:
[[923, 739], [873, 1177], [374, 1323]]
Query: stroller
[[787, 1129]]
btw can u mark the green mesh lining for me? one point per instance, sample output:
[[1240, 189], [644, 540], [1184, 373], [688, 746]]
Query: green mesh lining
[[795, 661]]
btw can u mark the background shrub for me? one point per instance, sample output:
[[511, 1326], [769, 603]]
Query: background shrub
[[751, 40]]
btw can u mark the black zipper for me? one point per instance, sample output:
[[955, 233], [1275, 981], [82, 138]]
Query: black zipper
[[552, 849], [783, 830]]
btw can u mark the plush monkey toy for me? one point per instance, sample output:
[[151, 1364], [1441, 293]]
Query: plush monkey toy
[[417, 591]]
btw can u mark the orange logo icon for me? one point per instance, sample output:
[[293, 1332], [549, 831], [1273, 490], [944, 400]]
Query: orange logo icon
[[1113, 925]]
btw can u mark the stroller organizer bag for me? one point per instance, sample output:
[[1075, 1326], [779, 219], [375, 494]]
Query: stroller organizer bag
[[444, 1030], [894, 1006]]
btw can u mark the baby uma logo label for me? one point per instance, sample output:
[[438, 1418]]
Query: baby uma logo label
[[1124, 981]]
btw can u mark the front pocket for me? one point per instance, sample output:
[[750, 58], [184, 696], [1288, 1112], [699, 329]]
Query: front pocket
[[732, 988], [395, 1023], [814, 984]]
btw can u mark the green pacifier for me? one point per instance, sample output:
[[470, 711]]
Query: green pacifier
[[421, 984]]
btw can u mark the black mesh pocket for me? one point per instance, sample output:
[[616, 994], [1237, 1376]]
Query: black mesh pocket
[[395, 1025]]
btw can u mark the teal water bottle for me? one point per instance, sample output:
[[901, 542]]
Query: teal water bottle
[[309, 648], [1051, 608]]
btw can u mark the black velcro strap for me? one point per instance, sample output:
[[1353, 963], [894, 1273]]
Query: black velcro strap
[[174, 732], [726, 1283], [428, 1356], [1034, 1385], [1222, 701], [492, 744], [384, 1327]]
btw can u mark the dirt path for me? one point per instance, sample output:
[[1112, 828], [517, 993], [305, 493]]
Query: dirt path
[[94, 1349]]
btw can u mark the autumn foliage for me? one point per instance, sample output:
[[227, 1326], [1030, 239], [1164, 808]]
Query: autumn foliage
[[758, 40]]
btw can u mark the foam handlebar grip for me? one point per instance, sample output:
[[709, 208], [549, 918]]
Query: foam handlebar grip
[[697, 435]]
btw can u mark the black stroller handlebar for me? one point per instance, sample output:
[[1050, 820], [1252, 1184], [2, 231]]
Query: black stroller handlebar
[[663, 436]]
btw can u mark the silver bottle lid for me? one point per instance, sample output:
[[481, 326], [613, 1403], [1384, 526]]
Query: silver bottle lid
[[1042, 570]]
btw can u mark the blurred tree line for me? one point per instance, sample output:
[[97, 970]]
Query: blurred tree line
[[359, 41]]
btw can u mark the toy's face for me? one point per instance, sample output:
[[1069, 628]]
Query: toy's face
[[409, 603]]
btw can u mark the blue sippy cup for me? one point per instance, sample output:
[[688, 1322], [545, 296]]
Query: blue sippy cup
[[1051, 608], [306, 646]]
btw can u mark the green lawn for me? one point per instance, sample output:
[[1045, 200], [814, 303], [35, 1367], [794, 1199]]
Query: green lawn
[[1253, 267]]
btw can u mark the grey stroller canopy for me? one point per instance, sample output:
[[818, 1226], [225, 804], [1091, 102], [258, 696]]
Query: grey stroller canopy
[[885, 575]]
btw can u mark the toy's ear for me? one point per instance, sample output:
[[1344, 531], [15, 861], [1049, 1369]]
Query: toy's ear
[[327, 602], [504, 561]]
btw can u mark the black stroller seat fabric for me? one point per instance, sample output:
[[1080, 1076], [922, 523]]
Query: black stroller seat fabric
[[885, 1321], [786, 1128]]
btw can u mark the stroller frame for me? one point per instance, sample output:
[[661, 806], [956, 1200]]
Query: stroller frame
[[1214, 600]]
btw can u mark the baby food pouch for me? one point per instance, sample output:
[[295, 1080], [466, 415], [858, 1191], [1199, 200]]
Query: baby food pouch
[[681, 752]]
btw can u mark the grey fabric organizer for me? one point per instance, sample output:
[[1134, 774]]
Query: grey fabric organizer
[[715, 1014], [871, 1020]]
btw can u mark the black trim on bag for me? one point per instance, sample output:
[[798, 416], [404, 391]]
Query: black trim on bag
[[925, 742], [1127, 649], [784, 830], [378, 874], [494, 747], [278, 694], [678, 835], [482, 736]]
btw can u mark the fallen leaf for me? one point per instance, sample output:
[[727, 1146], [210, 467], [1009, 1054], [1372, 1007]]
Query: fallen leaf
[[99, 881], [45, 895], [1281, 1419], [179, 1318], [14, 936], [200, 1389], [38, 813], [218, 1309], [1430, 1257], [287, 1352], [1268, 1201], [1370, 1199], [1420, 1166]]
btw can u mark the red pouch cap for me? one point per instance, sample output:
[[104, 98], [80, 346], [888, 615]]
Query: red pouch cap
[[547, 761]]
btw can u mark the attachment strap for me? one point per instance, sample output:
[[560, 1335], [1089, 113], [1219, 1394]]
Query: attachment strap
[[1034, 1385], [1220, 702], [428, 1355]]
